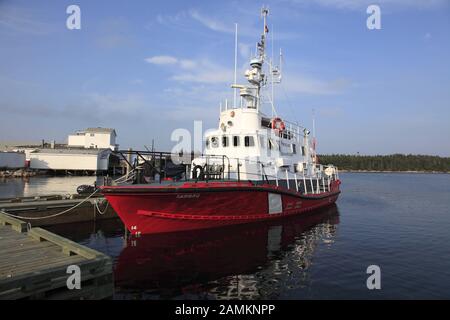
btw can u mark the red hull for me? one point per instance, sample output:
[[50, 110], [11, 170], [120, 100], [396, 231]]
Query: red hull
[[147, 209]]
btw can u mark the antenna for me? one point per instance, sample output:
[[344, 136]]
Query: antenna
[[235, 64], [281, 64], [271, 73], [314, 133]]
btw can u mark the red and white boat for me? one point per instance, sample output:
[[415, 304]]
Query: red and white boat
[[255, 168]]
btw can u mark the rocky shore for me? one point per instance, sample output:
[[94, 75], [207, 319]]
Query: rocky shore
[[20, 173]]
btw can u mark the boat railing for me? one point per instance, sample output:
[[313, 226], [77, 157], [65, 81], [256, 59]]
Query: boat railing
[[219, 167], [320, 181], [310, 184], [137, 160]]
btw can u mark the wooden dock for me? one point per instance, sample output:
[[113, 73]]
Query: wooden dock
[[44, 206], [33, 265]]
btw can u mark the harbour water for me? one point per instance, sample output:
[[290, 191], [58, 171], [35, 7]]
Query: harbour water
[[42, 185], [399, 222]]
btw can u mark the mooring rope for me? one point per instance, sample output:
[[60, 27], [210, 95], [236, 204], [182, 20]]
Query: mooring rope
[[98, 209], [127, 177], [53, 215]]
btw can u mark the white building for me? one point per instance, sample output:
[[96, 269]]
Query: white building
[[70, 159], [12, 160], [94, 138]]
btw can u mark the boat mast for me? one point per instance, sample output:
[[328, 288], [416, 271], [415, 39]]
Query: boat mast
[[235, 64], [251, 94], [271, 75], [261, 51]]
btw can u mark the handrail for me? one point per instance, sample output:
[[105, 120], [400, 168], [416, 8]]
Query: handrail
[[151, 157]]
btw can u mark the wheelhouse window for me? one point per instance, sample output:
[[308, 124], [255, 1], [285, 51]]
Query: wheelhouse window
[[225, 141], [236, 141], [249, 141], [207, 143], [214, 142]]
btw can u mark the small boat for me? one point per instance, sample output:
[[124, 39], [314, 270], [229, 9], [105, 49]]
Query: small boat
[[255, 168]]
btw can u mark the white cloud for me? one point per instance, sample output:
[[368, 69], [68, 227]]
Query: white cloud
[[162, 60], [224, 24], [198, 71], [171, 19], [212, 24]]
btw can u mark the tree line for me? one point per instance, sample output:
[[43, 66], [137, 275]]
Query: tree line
[[394, 162]]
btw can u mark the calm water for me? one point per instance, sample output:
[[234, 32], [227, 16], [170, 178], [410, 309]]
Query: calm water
[[35, 186], [400, 222]]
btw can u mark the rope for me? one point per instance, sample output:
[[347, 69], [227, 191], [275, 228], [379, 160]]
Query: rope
[[53, 215], [98, 209], [126, 177], [122, 179]]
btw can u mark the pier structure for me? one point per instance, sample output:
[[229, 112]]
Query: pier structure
[[47, 210], [37, 264]]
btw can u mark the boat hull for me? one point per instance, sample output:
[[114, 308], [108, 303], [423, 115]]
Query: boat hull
[[190, 206]]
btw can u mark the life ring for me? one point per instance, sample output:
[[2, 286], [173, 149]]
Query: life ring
[[200, 175], [278, 125]]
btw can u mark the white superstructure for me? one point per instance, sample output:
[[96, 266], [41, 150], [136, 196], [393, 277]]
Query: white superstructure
[[250, 145]]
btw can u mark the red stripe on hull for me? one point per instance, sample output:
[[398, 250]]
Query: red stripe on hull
[[147, 210]]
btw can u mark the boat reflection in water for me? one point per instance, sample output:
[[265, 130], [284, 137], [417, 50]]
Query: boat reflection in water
[[243, 262]]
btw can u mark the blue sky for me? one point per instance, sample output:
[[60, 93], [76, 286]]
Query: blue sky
[[149, 67]]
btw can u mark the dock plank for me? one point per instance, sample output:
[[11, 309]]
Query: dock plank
[[33, 265]]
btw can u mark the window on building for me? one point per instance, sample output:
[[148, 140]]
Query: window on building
[[294, 148], [303, 151], [224, 141], [249, 141], [270, 144], [236, 141]]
